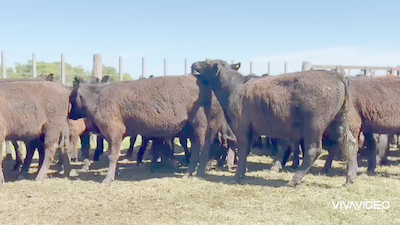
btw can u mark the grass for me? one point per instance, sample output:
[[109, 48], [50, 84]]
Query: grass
[[163, 197]]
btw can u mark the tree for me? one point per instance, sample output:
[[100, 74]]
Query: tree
[[25, 71]]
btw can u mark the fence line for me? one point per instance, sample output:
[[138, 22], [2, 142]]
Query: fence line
[[364, 70], [97, 70]]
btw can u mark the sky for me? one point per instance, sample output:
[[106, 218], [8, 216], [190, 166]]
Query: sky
[[351, 32]]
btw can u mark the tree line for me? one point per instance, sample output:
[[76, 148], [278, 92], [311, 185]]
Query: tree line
[[25, 71]]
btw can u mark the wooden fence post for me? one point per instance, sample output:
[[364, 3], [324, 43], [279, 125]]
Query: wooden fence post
[[97, 66], [186, 67], [165, 66], [143, 68], [121, 69], [393, 72], [62, 68], [34, 64], [269, 68], [251, 67], [306, 66], [3, 65]]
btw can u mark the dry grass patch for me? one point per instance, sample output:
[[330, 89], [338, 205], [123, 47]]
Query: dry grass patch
[[163, 197]]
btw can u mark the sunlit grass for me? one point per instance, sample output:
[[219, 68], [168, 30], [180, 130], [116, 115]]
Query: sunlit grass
[[140, 197]]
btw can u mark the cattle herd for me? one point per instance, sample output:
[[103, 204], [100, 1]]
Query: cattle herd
[[222, 112]]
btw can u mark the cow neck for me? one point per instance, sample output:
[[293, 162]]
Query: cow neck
[[229, 89], [90, 94]]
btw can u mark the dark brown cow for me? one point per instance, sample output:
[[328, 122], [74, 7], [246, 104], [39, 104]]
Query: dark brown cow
[[77, 129], [34, 144], [157, 107], [374, 109], [293, 106], [28, 112]]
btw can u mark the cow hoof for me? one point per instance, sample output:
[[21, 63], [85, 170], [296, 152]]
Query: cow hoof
[[85, 169], [8, 157], [348, 183], [371, 173], [21, 177], [105, 184], [324, 171], [39, 181], [15, 168], [274, 170], [187, 176], [232, 169], [238, 179], [291, 184]]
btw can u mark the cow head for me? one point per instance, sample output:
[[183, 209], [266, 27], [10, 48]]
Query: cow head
[[106, 79], [77, 109], [50, 77]]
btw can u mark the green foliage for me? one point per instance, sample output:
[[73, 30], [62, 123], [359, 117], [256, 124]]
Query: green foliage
[[25, 71]]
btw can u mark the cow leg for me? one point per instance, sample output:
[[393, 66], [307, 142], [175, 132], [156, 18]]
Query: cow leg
[[73, 150], [194, 155], [139, 159], [2, 181], [85, 149], [244, 142], [18, 156], [383, 155], [155, 153], [331, 146], [371, 148], [286, 155], [40, 148], [51, 141], [64, 149], [296, 154], [184, 144], [313, 144], [30, 150], [222, 157], [398, 141], [230, 160], [278, 159], [129, 153], [115, 149], [205, 145], [170, 153], [99, 148]]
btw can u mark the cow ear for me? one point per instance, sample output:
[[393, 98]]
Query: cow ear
[[238, 65], [76, 82], [106, 79], [50, 77]]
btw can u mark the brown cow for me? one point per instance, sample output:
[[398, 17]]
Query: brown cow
[[157, 107], [374, 109], [293, 106], [28, 112]]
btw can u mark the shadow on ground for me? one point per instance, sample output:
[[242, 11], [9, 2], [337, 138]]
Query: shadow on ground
[[128, 170]]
